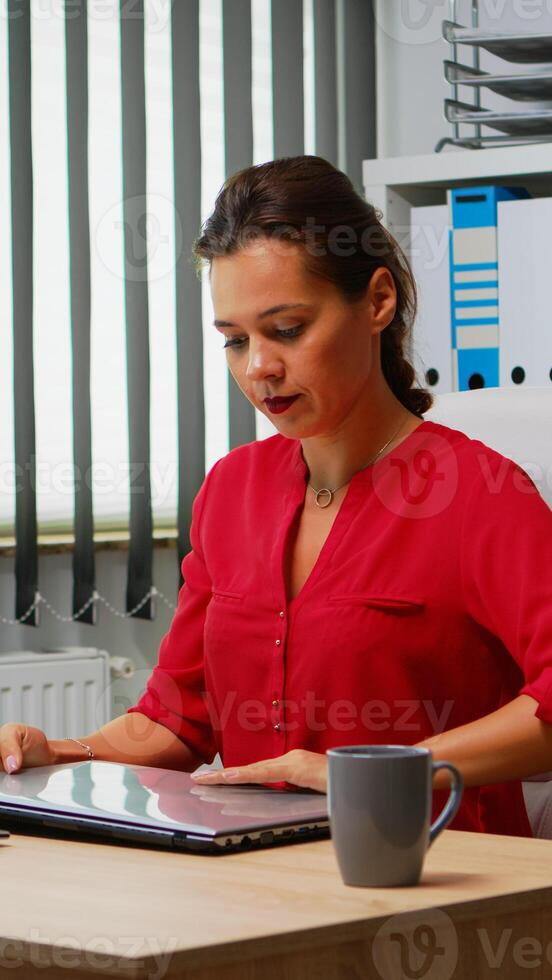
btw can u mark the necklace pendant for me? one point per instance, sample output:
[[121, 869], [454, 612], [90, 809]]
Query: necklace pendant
[[323, 497]]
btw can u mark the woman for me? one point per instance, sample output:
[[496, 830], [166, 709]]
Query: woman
[[365, 575]]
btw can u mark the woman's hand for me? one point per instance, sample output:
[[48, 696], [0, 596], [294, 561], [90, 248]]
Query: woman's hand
[[297, 768], [25, 747]]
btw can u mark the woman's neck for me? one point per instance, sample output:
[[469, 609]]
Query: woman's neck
[[333, 459]]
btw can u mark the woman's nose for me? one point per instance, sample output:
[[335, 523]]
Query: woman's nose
[[263, 362]]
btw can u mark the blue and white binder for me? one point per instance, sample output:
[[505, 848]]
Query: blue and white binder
[[525, 263], [429, 260], [474, 283]]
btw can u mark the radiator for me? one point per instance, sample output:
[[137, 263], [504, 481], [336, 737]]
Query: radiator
[[64, 693]]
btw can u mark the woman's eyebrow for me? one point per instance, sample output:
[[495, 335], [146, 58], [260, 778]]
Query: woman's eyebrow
[[273, 309]]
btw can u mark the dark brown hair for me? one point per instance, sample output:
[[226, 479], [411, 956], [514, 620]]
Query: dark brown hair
[[306, 200]]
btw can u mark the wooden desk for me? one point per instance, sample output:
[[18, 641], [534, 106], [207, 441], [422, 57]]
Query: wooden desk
[[72, 909]]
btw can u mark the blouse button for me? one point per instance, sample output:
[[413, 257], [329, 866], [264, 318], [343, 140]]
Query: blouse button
[[278, 643], [277, 726], [275, 703], [281, 613]]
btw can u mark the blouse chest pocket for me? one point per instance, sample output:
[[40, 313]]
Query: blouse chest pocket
[[224, 596], [363, 624], [400, 605]]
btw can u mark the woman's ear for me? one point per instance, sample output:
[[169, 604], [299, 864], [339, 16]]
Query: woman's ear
[[381, 297]]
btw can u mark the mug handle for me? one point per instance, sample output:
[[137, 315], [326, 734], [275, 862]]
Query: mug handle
[[450, 808]]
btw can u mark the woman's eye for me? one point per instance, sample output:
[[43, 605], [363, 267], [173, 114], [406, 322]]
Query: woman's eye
[[234, 342], [290, 331], [287, 334]]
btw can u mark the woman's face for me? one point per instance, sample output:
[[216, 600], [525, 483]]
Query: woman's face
[[322, 351]]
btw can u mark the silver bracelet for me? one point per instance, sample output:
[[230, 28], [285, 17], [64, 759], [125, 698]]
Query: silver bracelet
[[87, 747]]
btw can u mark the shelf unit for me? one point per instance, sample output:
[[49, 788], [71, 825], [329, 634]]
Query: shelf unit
[[395, 184]]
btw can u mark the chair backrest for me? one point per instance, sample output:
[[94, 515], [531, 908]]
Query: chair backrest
[[516, 422]]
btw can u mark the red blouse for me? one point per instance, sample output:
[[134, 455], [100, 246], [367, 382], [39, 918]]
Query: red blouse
[[430, 605]]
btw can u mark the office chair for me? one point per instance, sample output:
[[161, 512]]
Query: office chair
[[516, 422]]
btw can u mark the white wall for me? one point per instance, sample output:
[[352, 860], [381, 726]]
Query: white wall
[[410, 53]]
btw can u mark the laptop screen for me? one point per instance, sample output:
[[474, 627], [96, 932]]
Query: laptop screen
[[148, 797]]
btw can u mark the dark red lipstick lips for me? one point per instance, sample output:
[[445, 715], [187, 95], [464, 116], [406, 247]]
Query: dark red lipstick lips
[[278, 405]]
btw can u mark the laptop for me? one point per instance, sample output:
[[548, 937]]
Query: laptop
[[142, 804]]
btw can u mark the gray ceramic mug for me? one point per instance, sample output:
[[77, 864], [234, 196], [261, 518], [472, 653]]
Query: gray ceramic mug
[[379, 804]]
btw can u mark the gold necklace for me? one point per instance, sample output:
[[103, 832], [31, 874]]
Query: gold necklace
[[324, 496]]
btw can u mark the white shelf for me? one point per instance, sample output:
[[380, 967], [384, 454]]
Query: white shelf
[[395, 184]]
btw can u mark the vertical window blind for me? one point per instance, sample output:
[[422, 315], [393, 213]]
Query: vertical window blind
[[119, 122]]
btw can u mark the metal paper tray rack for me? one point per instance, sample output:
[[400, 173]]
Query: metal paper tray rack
[[533, 86], [528, 125]]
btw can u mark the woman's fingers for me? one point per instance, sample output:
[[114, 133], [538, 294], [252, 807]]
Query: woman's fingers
[[11, 736], [255, 772], [298, 767], [22, 747]]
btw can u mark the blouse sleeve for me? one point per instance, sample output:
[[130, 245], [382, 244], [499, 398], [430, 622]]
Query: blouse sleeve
[[174, 694], [507, 570]]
